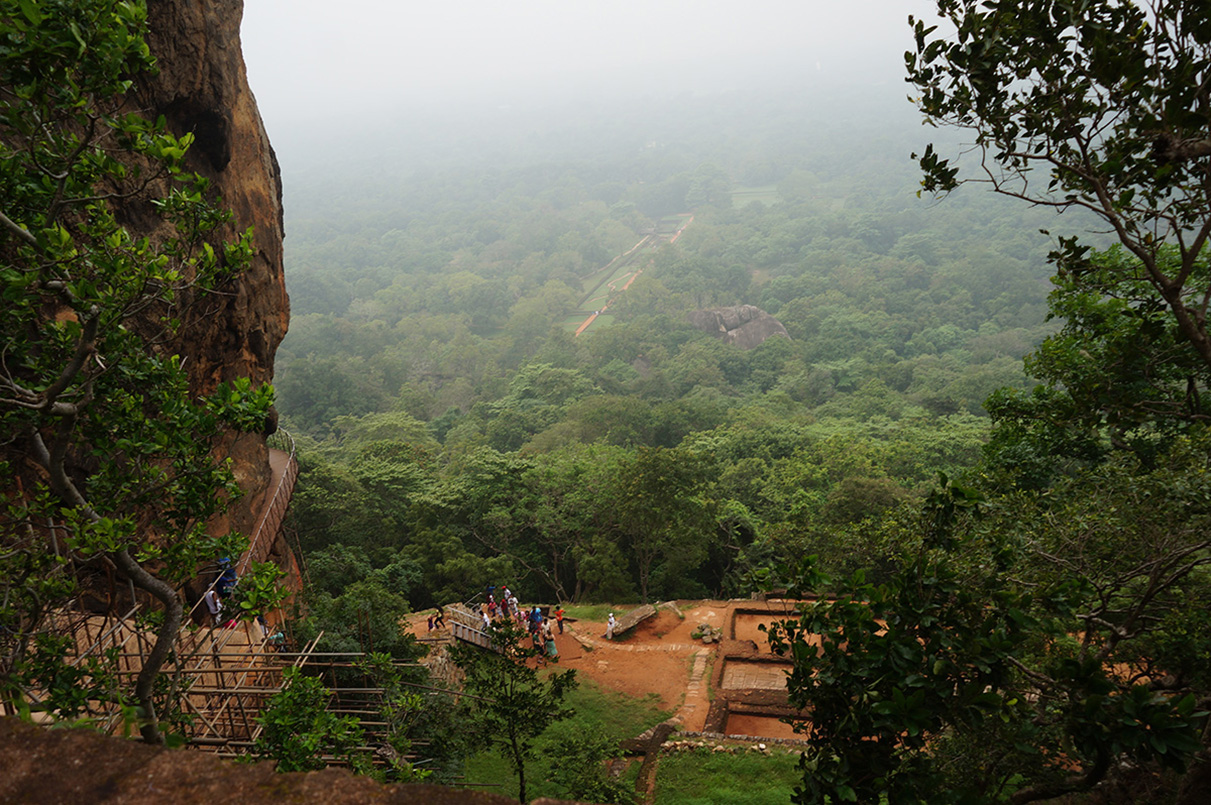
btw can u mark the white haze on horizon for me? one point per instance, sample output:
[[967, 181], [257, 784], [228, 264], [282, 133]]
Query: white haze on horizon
[[315, 63]]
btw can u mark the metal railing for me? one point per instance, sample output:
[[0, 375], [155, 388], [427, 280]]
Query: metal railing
[[201, 653], [275, 513], [197, 649], [468, 626]]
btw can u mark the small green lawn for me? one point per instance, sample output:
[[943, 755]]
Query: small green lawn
[[596, 612], [766, 194], [601, 295], [573, 321], [703, 777], [604, 320]]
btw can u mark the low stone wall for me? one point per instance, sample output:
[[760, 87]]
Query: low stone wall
[[763, 701], [710, 739]]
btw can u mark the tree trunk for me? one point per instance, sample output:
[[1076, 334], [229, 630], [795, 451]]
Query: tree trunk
[[521, 769], [165, 639]]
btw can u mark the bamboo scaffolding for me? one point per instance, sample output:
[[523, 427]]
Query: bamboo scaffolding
[[221, 676]]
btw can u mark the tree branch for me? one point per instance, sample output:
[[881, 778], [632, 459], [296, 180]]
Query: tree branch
[[62, 485], [1073, 784], [165, 639], [1167, 149], [85, 347], [21, 232]]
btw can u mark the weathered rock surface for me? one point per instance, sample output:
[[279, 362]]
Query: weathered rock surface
[[64, 767], [746, 326], [633, 618], [202, 88]]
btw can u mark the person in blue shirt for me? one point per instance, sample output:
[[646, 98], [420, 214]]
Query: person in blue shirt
[[227, 577]]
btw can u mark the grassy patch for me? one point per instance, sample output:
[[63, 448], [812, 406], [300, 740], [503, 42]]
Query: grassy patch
[[596, 612], [709, 778], [489, 771], [573, 321], [766, 194], [619, 716], [600, 296]]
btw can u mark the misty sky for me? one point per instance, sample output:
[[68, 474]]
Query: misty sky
[[312, 60]]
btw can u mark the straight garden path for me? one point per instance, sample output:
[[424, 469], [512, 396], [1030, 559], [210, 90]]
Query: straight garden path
[[625, 272]]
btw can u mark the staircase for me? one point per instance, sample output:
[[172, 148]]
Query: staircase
[[467, 625]]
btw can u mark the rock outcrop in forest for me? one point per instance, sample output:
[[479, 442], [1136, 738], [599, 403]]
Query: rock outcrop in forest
[[746, 326]]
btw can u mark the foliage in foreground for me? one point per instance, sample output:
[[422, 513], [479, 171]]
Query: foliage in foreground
[[106, 447], [298, 731], [995, 665], [514, 704], [596, 712], [579, 769], [1100, 106]]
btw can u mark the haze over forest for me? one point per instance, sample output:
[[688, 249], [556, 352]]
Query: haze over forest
[[310, 66], [457, 179]]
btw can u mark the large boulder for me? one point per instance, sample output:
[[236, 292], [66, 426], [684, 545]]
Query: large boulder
[[60, 766], [746, 326]]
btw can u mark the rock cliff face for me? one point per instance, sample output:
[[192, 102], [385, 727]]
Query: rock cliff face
[[202, 88], [745, 326]]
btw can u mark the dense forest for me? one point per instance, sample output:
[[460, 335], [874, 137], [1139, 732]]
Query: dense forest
[[457, 433]]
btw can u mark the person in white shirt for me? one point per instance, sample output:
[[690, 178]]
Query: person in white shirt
[[213, 605]]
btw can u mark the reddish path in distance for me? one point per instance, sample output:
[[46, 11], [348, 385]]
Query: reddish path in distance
[[614, 292]]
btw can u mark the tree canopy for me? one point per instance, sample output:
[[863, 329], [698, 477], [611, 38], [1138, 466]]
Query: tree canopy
[[1104, 106], [513, 703]]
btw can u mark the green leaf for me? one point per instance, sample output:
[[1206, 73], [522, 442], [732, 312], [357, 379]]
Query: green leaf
[[30, 10]]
